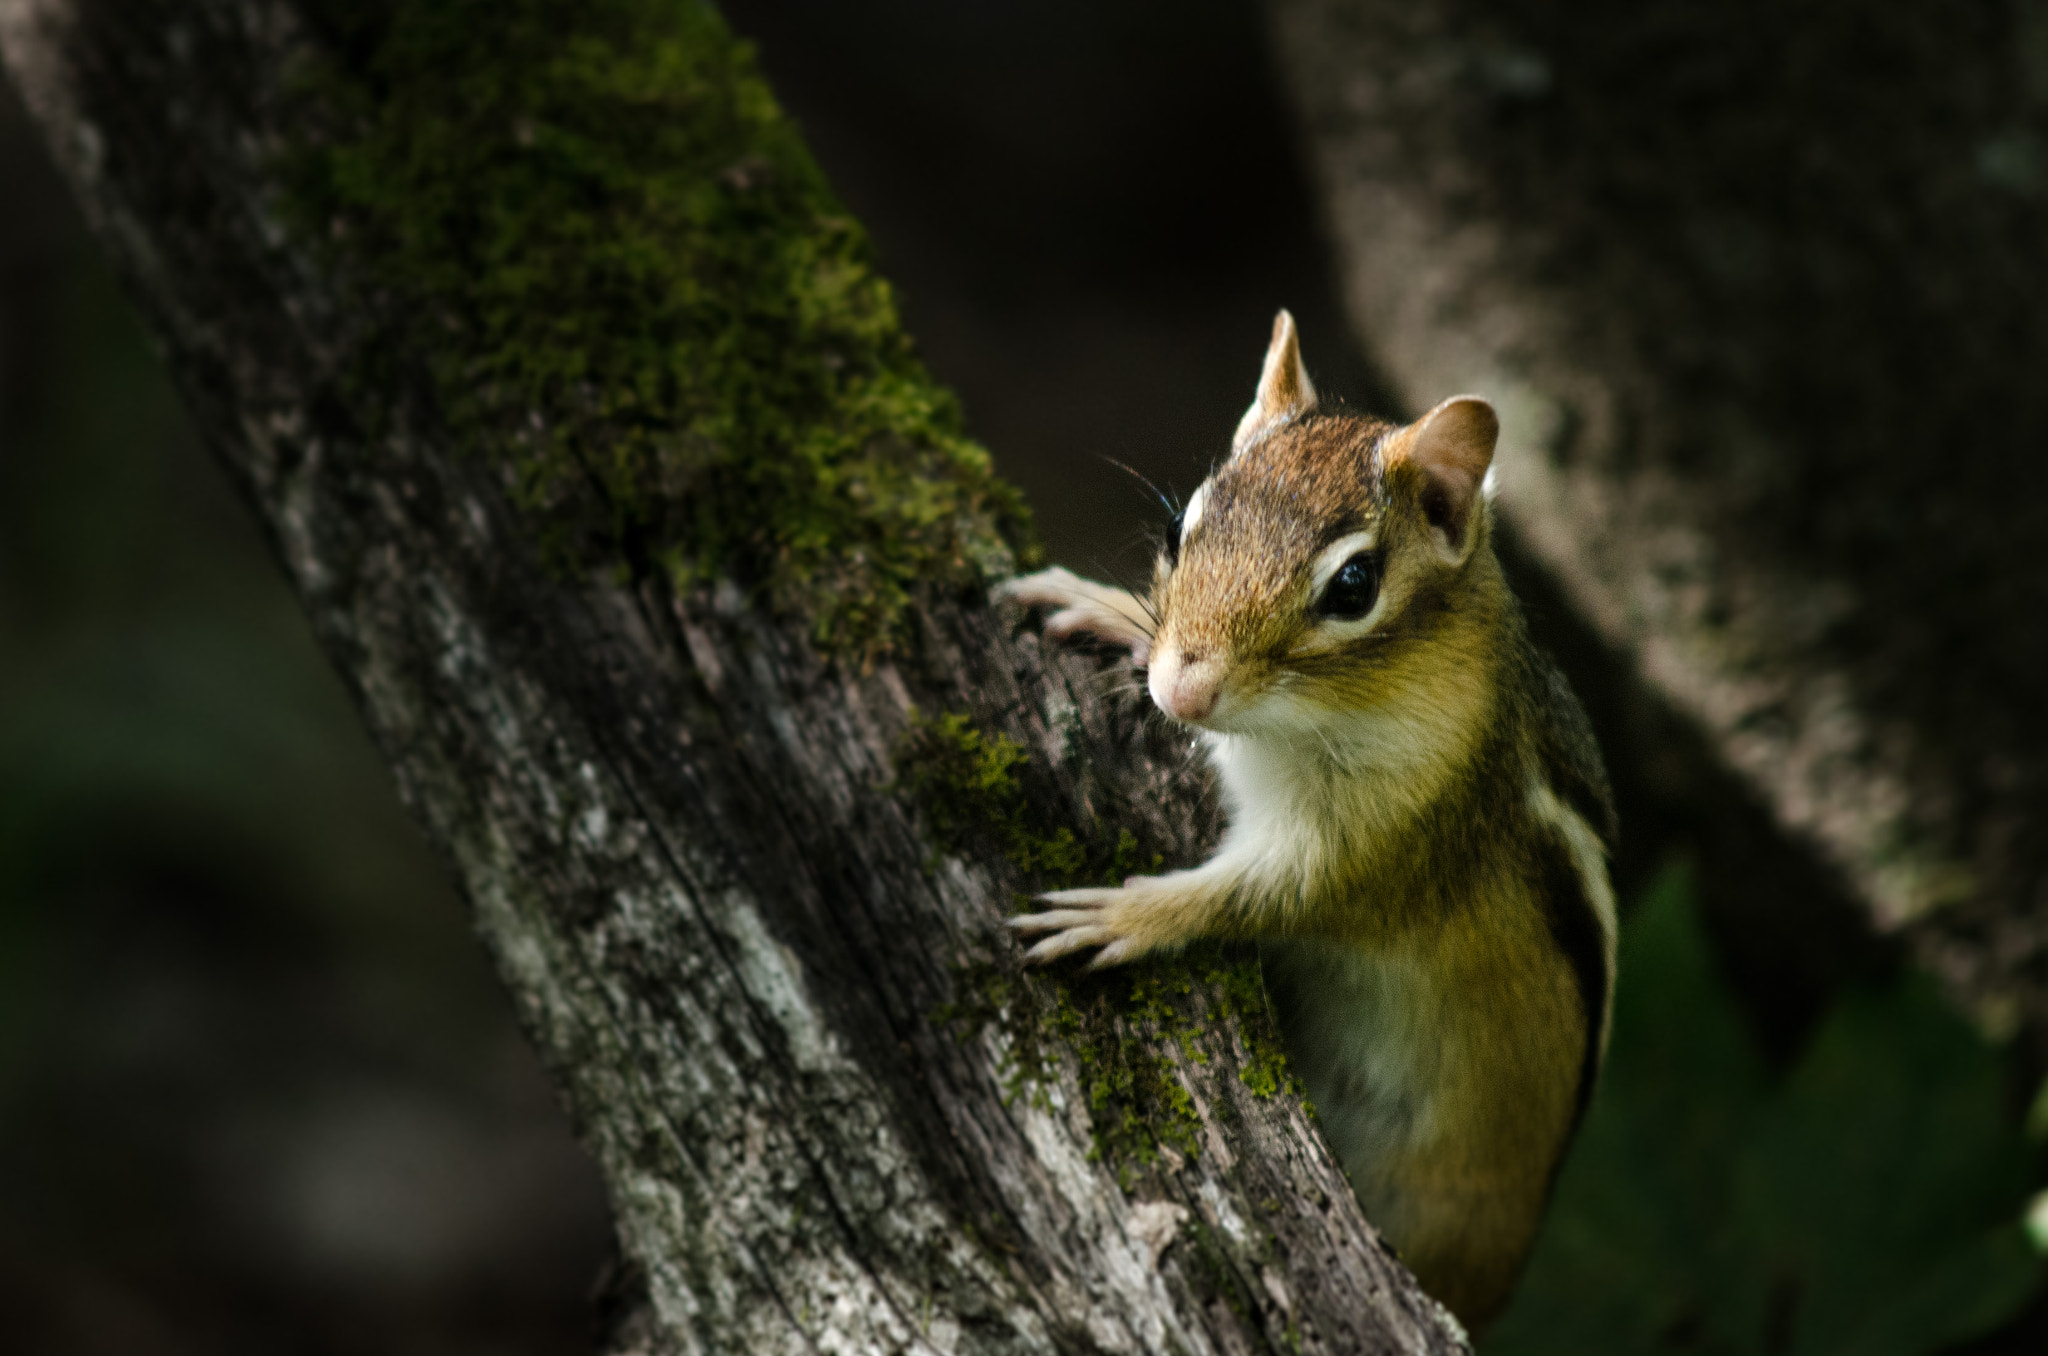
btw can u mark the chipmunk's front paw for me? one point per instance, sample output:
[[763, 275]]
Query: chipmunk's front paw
[[1079, 607], [1080, 919], [1053, 588]]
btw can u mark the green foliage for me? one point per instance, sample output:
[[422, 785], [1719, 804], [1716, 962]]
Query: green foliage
[[968, 787], [592, 225], [1868, 1200]]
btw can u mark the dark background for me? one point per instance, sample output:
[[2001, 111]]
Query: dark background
[[258, 1090]]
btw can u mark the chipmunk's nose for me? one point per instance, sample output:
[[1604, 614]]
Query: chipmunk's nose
[[1185, 686]]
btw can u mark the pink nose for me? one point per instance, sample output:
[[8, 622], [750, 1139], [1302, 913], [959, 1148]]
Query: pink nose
[[1184, 690]]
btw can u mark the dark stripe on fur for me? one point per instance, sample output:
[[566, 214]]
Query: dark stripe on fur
[[1575, 927], [1571, 756]]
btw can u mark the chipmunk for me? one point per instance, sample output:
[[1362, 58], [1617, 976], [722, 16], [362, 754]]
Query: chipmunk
[[1418, 817]]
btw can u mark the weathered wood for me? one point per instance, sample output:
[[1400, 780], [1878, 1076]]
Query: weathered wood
[[782, 1012], [1761, 296]]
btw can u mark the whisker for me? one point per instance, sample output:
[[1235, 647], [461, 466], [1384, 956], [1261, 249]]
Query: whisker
[[1139, 598], [1109, 673], [1169, 503], [1172, 503], [1104, 678], [1144, 535]]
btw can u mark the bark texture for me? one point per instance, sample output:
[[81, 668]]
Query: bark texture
[[1760, 292], [772, 984]]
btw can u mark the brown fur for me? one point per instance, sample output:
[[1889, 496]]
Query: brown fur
[[1418, 820]]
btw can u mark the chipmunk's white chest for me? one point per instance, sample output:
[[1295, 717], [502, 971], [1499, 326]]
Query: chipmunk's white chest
[[1364, 1028], [1304, 813]]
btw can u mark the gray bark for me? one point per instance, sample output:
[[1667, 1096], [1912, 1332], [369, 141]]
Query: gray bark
[[1761, 295], [728, 934]]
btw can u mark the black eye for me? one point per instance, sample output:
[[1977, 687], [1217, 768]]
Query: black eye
[[1352, 590], [1173, 537]]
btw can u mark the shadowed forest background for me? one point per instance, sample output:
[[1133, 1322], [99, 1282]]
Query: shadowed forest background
[[258, 1088]]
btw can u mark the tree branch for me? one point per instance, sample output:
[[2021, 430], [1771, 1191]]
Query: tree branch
[[572, 538]]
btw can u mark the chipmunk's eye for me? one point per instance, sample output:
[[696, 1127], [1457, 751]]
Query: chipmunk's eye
[[1173, 531], [1352, 591]]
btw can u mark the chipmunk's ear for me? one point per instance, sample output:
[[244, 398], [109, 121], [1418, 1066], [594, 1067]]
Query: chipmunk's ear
[[1451, 446], [1284, 388]]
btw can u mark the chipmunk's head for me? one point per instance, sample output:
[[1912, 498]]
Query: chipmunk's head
[[1333, 565]]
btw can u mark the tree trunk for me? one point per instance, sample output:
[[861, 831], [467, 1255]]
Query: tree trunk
[[738, 821], [1760, 292]]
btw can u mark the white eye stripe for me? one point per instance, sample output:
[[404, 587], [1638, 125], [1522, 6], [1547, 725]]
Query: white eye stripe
[[1192, 513], [1333, 557]]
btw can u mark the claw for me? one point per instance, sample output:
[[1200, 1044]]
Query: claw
[[1066, 623], [1063, 943], [1052, 919], [1075, 922], [1116, 953], [1092, 897]]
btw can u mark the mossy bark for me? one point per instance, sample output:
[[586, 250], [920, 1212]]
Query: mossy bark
[[638, 566]]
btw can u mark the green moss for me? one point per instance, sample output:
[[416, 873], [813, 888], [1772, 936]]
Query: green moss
[[1214, 1273], [594, 230], [966, 784], [971, 790], [1241, 995]]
